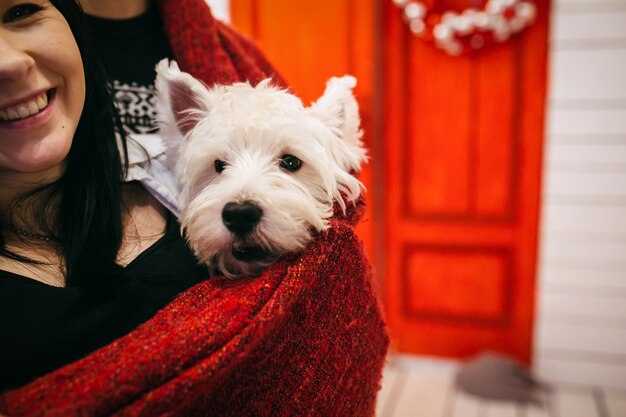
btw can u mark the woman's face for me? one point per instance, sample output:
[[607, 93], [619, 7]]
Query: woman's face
[[42, 87]]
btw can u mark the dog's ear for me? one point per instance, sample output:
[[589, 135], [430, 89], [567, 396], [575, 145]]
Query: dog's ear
[[180, 100], [339, 107]]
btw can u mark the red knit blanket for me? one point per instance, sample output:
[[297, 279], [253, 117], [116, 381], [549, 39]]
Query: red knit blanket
[[305, 339]]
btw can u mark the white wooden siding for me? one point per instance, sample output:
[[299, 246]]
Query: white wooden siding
[[580, 332]]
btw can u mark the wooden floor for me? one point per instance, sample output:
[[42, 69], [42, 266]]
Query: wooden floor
[[415, 387]]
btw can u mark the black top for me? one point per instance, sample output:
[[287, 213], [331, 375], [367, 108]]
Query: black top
[[130, 49], [43, 327]]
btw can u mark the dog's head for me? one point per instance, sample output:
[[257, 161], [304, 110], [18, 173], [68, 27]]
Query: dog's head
[[257, 169]]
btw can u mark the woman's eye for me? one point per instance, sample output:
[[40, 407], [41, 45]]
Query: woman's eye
[[219, 166], [21, 11], [290, 163]]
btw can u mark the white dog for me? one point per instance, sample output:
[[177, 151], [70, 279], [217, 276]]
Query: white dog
[[258, 171]]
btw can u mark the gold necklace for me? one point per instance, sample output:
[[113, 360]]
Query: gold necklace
[[31, 235]]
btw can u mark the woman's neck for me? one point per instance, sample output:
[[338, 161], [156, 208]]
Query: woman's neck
[[14, 186], [115, 9]]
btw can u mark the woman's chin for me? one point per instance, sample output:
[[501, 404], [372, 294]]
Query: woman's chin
[[33, 169]]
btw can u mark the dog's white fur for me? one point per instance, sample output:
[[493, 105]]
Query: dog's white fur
[[250, 129]]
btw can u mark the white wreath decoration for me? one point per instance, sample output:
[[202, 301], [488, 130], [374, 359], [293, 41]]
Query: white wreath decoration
[[471, 29]]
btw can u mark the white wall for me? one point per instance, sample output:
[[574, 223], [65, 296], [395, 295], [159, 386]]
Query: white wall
[[581, 321]]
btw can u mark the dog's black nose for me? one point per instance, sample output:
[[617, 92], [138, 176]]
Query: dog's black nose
[[241, 218]]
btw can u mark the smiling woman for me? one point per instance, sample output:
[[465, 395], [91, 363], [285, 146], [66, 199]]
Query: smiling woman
[[84, 257], [42, 94], [41, 106]]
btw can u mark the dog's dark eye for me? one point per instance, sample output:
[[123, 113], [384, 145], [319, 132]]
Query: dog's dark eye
[[219, 166], [290, 163]]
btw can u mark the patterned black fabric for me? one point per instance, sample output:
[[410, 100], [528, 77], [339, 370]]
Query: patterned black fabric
[[130, 49]]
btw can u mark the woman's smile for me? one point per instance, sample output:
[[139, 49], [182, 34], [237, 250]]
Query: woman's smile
[[28, 113], [42, 87]]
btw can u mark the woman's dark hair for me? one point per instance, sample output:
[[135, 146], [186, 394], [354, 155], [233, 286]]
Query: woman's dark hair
[[90, 211], [88, 217]]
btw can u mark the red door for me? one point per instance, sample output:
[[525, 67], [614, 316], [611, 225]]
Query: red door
[[454, 185], [463, 142]]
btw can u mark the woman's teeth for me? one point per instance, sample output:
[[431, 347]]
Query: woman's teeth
[[25, 109]]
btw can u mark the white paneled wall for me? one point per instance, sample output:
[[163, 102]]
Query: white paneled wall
[[581, 317]]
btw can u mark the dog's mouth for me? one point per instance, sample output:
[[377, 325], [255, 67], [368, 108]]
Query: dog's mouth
[[249, 253]]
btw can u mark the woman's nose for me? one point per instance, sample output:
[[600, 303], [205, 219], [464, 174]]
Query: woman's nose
[[14, 61]]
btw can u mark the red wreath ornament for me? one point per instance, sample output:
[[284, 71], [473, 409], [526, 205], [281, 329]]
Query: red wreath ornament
[[471, 29]]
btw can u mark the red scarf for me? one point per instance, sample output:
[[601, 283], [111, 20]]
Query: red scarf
[[209, 49]]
